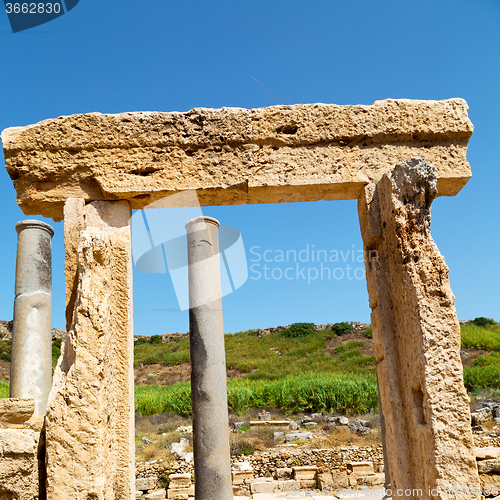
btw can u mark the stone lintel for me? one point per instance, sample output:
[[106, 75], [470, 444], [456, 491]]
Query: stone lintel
[[303, 152], [416, 337]]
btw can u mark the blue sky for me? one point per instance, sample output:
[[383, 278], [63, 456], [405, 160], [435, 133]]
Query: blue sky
[[159, 55]]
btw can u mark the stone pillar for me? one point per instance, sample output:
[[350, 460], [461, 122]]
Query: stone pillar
[[31, 365], [90, 419], [416, 338], [212, 459]]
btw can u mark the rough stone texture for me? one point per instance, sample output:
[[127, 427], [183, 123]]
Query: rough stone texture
[[416, 335], [304, 472], [15, 412], [232, 156], [485, 466], [145, 483], [179, 480], [263, 486], [360, 467], [334, 479], [19, 464], [90, 433], [488, 452], [156, 495]]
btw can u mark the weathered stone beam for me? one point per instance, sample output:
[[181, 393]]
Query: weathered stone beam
[[90, 418], [416, 338], [233, 156]]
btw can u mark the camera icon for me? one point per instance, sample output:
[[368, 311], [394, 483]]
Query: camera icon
[[26, 14]]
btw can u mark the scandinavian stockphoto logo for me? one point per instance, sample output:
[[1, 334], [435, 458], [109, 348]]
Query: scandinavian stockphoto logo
[[159, 242], [25, 15]]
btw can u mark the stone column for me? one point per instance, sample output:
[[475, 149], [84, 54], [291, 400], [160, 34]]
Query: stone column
[[416, 338], [212, 459], [90, 419], [31, 365]]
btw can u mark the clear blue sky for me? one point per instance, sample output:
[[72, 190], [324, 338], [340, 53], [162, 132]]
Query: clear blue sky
[[157, 55]]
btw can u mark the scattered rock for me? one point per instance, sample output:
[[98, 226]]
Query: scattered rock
[[296, 436]]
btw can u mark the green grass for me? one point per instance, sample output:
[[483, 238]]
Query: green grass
[[4, 389], [306, 392], [168, 354]]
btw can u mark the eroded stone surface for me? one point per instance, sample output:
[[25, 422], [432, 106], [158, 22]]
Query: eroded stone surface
[[15, 412], [90, 435], [304, 152], [416, 336], [19, 464]]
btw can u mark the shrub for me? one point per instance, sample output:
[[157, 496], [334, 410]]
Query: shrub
[[369, 332], [484, 322], [341, 328], [141, 341], [299, 330], [56, 351], [155, 340]]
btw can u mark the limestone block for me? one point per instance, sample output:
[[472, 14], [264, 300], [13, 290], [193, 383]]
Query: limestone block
[[242, 466], [287, 485], [89, 423], [263, 486], [156, 495], [283, 473], [416, 336], [478, 418], [486, 466], [297, 436], [334, 478], [487, 452], [15, 412], [370, 480], [307, 483], [138, 494], [490, 484], [303, 152], [179, 480], [360, 467], [269, 423], [19, 464], [304, 472], [145, 483], [172, 492], [242, 476]]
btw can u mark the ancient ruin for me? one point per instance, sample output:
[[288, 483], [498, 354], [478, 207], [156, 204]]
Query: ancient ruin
[[394, 156]]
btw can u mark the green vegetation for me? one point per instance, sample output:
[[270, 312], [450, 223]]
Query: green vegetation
[[5, 349], [4, 389], [482, 333], [341, 328], [167, 354], [369, 332], [304, 392], [484, 322], [299, 330], [274, 356], [299, 369], [56, 351], [478, 337]]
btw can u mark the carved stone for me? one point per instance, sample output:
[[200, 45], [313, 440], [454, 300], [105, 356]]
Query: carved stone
[[90, 420], [416, 337]]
